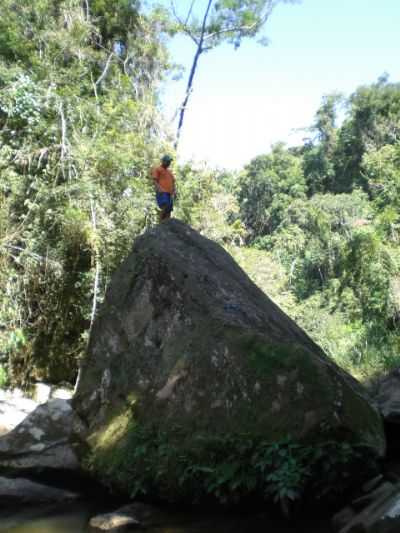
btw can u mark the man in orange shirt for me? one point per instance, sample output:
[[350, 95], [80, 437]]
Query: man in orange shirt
[[164, 182]]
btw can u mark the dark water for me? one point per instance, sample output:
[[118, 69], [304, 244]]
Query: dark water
[[75, 519]]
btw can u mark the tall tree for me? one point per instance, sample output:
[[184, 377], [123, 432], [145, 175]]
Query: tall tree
[[215, 22]]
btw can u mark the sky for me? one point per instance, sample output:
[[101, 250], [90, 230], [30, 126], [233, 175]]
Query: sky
[[246, 100]]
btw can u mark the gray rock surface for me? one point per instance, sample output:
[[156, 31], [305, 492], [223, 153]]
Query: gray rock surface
[[388, 396], [44, 440], [15, 406], [185, 339], [25, 491]]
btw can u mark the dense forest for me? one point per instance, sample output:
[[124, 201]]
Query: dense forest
[[316, 226]]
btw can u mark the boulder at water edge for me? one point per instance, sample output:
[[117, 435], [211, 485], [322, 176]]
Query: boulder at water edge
[[191, 365], [42, 442]]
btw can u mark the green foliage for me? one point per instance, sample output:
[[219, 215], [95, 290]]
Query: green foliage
[[333, 158], [114, 19], [381, 171], [311, 241], [319, 154], [339, 246], [267, 273], [369, 267], [205, 204], [3, 378], [373, 122], [228, 468], [79, 131], [268, 186]]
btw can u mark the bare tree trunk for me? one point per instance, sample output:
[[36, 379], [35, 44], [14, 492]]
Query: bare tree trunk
[[187, 95], [64, 143], [87, 10], [97, 274], [104, 73], [95, 287], [189, 86]]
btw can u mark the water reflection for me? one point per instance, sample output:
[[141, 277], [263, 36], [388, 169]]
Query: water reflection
[[74, 519]]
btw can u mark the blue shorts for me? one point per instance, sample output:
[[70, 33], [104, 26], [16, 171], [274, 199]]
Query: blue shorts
[[164, 201]]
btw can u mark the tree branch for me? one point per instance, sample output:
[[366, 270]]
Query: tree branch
[[190, 12], [104, 73], [199, 51], [87, 10], [35, 256], [232, 30], [97, 261], [262, 20], [190, 34], [203, 27], [184, 25], [64, 140]]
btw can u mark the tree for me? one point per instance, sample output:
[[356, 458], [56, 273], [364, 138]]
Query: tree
[[373, 122], [220, 21], [268, 185], [312, 239], [319, 168]]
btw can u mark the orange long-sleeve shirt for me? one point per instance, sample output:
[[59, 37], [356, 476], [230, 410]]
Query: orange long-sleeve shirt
[[164, 178]]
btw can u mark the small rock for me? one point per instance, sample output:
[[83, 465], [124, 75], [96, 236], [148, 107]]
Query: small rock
[[117, 521]]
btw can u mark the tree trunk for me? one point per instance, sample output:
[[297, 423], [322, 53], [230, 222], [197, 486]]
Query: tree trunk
[[189, 86]]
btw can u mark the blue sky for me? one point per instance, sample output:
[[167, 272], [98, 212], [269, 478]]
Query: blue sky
[[246, 100]]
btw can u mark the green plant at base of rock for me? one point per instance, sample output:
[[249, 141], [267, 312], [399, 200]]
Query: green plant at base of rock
[[3, 377], [229, 469]]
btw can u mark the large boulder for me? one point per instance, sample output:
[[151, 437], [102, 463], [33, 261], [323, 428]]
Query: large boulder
[[187, 352]]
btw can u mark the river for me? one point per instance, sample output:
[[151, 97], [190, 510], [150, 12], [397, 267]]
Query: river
[[75, 519]]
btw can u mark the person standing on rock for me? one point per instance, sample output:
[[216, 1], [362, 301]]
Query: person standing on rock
[[164, 182]]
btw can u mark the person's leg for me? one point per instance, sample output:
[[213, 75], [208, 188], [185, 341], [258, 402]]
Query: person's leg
[[165, 205], [162, 213]]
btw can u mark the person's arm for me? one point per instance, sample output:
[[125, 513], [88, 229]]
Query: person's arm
[[156, 177], [173, 186]]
